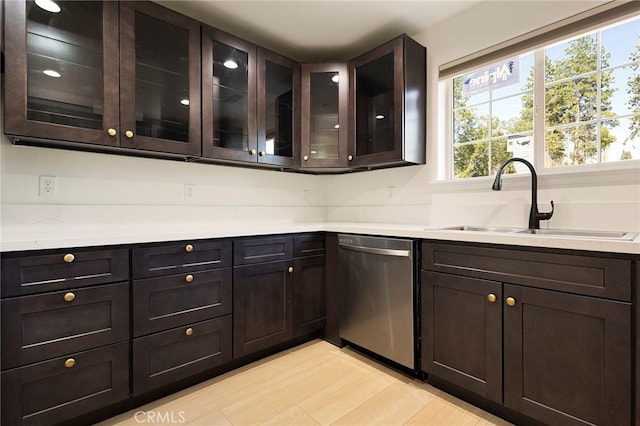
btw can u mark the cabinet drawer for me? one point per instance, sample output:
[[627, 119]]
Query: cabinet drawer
[[62, 270], [182, 257], [259, 250], [50, 392], [35, 328], [164, 358], [581, 274], [167, 302], [308, 245]]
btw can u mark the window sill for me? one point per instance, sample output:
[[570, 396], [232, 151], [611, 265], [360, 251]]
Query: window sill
[[586, 176]]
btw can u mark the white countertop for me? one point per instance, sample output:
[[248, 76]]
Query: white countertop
[[90, 236]]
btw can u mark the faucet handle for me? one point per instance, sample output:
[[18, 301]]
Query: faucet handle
[[546, 216]]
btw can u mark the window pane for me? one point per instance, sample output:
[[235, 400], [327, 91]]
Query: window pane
[[620, 43], [572, 58], [471, 124], [526, 79], [471, 160], [571, 146], [620, 90], [512, 115], [621, 139], [459, 100], [572, 101]]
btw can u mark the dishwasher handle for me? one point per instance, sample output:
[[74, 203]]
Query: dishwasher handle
[[380, 251]]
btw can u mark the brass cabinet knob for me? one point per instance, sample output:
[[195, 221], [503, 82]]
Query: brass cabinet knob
[[291, 269], [112, 132], [511, 301], [188, 248], [70, 363], [305, 158], [350, 157], [262, 153], [491, 297], [189, 331], [69, 297], [69, 258], [253, 152], [188, 278], [128, 134]]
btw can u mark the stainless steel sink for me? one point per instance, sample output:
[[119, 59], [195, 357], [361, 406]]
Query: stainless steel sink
[[606, 235], [568, 233]]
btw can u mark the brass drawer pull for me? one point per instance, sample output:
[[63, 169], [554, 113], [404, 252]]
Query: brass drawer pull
[[69, 297], [189, 248], [189, 331], [128, 134], [511, 301], [188, 278], [253, 152], [262, 153], [70, 363], [350, 157], [291, 269], [112, 132], [491, 298], [69, 258]]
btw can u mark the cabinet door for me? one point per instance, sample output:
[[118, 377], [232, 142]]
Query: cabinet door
[[159, 79], [462, 332], [35, 328], [164, 358], [387, 104], [61, 389], [278, 109], [567, 358], [324, 115], [309, 295], [228, 97], [61, 79], [262, 315]]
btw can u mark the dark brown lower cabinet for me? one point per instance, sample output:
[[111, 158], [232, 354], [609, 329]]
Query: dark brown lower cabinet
[[567, 357], [309, 295], [63, 388], [262, 306], [462, 332], [166, 357]]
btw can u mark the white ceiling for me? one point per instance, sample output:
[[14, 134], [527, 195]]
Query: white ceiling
[[313, 31]]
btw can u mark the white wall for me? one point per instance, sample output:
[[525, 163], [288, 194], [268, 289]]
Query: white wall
[[411, 195]]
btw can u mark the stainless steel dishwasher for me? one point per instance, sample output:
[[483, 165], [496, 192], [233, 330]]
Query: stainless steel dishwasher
[[377, 293]]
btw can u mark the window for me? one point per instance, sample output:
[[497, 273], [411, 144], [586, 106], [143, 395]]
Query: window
[[586, 91]]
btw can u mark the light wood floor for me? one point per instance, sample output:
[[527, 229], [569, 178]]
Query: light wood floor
[[312, 384]]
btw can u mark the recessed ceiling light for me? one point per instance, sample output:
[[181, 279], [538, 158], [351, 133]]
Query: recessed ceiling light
[[48, 5], [337, 126], [379, 117], [335, 78], [231, 64], [52, 73], [184, 101]]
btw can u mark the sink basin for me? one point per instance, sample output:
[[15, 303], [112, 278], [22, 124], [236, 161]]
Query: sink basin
[[607, 235], [569, 233]]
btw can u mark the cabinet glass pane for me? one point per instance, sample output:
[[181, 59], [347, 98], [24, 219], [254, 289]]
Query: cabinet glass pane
[[279, 110], [64, 63], [230, 97], [374, 106], [162, 79], [324, 115]]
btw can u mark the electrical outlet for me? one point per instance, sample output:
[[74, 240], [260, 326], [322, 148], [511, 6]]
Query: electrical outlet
[[188, 191], [48, 187]]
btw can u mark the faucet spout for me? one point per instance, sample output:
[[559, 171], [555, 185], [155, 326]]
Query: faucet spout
[[534, 215]]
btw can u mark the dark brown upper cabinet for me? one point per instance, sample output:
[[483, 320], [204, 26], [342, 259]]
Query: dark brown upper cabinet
[[387, 105], [159, 79], [105, 73], [228, 97], [325, 97], [61, 79], [278, 109]]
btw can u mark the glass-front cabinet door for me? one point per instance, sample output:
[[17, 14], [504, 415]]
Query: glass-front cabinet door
[[278, 109], [324, 116], [159, 79], [228, 97], [388, 97], [62, 70]]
